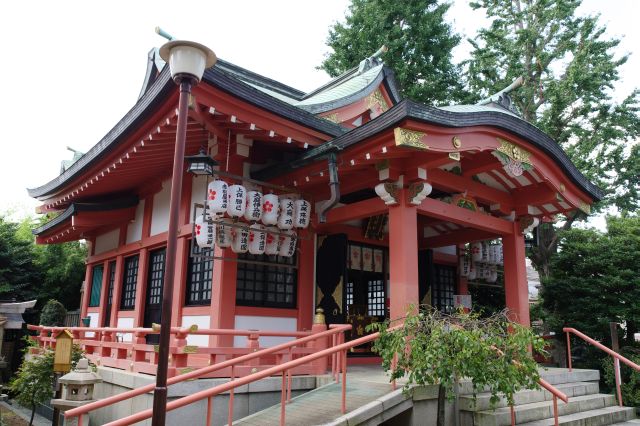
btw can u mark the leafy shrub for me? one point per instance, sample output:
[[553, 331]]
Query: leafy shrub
[[630, 377], [53, 314]]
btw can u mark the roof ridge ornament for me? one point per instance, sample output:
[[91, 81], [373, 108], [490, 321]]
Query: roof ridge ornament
[[373, 60], [502, 99]]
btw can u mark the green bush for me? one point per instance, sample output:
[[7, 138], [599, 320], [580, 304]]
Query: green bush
[[53, 314], [630, 378]]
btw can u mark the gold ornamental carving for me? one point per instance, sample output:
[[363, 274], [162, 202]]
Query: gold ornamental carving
[[456, 142], [586, 208], [514, 152], [376, 99], [332, 117], [409, 138]]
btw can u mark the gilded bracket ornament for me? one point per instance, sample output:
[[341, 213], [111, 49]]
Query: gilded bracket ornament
[[527, 223], [409, 138], [514, 159], [388, 192], [376, 99], [417, 192]]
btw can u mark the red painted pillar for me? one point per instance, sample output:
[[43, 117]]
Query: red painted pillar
[[179, 282], [141, 288], [117, 291], [84, 305], [223, 295], [515, 276], [403, 257], [306, 282]]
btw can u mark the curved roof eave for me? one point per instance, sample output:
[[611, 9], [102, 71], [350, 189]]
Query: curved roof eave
[[155, 95], [408, 109]]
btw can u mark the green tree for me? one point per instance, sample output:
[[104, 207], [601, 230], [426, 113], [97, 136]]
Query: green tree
[[53, 314], [599, 273], [437, 349], [569, 70], [33, 383], [419, 42], [19, 275]]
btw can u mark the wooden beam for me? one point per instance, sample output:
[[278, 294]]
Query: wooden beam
[[464, 217], [460, 236], [359, 210]]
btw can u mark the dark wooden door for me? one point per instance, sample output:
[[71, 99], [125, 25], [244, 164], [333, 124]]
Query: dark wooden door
[[331, 261], [155, 279], [110, 283]]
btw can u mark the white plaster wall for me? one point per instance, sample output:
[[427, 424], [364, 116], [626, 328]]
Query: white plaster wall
[[125, 323], [93, 322], [202, 321], [446, 250], [107, 241], [134, 229], [160, 214], [246, 322], [198, 188]]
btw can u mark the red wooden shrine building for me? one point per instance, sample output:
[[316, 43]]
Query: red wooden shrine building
[[398, 191]]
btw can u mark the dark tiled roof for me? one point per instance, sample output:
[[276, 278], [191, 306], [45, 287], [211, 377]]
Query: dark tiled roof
[[407, 109]]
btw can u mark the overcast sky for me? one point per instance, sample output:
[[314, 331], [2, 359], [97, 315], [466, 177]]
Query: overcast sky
[[73, 68]]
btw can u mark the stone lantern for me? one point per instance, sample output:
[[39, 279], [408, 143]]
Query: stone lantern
[[77, 390]]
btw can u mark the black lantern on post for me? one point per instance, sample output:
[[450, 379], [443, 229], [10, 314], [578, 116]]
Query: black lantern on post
[[200, 164]]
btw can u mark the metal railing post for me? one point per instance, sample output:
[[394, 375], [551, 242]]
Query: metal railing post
[[209, 410], [513, 415], [231, 397], [344, 382], [282, 399], [569, 350], [555, 410]]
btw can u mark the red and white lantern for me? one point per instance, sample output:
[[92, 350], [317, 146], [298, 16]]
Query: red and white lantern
[[476, 252], [257, 239], [240, 240], [302, 214], [288, 243], [223, 233], [272, 241], [237, 201], [253, 210], [285, 220], [217, 197], [205, 233], [465, 265], [270, 208]]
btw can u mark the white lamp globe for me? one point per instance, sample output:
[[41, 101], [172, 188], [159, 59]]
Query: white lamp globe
[[187, 58]]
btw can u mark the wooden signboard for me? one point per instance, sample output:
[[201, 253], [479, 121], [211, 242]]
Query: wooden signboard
[[62, 356]]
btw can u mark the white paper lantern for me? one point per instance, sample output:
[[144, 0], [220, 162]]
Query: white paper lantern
[[476, 252], [492, 255], [224, 236], [485, 252], [285, 220], [473, 270], [237, 200], [240, 240], [217, 197], [205, 233], [272, 241], [465, 264], [493, 274], [270, 208], [500, 255], [288, 243], [302, 214], [257, 239], [253, 210]]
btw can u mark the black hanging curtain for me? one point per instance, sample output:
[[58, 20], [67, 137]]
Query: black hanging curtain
[[331, 265], [426, 272]]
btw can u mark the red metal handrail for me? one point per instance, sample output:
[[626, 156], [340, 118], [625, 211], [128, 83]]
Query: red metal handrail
[[616, 357], [340, 350], [333, 331]]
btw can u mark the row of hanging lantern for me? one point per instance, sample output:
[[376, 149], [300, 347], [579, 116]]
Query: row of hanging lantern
[[482, 261], [275, 235]]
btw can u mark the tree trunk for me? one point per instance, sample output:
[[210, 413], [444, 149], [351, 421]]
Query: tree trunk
[[33, 414], [441, 402]]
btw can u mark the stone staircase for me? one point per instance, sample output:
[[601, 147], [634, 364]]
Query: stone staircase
[[586, 405]]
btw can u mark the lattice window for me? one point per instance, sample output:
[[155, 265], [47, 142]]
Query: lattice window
[[349, 295], [375, 298], [112, 281], [267, 284], [443, 288], [199, 277], [155, 277], [96, 285], [129, 282]]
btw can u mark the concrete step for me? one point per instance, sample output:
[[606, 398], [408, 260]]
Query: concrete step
[[633, 422], [554, 376], [599, 417], [483, 401], [536, 411]]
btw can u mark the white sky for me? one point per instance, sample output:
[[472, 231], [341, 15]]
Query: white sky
[[73, 68]]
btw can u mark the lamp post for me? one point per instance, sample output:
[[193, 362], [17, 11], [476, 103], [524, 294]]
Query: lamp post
[[187, 62]]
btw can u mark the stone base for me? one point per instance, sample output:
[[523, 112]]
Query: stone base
[[64, 405]]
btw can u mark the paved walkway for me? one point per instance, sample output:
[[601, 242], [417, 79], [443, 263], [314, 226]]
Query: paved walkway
[[25, 414], [364, 384]]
